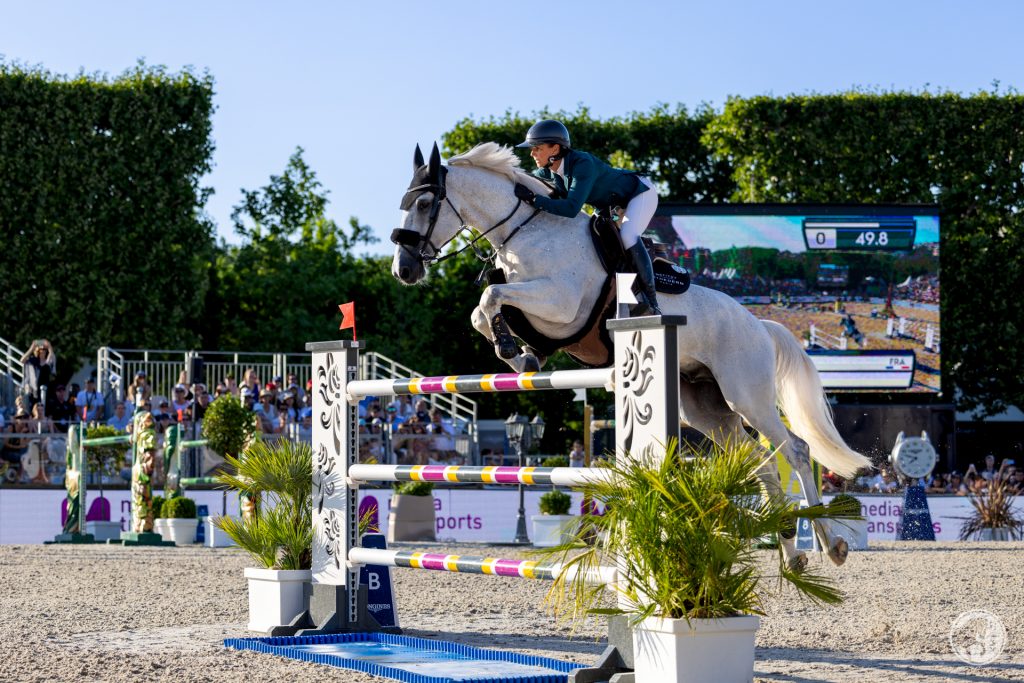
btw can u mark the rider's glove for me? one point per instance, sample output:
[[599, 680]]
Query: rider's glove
[[526, 194]]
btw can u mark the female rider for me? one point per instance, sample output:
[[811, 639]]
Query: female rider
[[582, 178]]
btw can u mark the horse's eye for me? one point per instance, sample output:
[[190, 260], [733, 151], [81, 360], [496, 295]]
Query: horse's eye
[[423, 203]]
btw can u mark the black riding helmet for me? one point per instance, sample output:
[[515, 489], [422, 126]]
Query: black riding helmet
[[549, 131]]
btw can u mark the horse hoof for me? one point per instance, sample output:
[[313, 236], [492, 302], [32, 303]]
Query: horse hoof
[[798, 563], [506, 350], [839, 551], [531, 364]]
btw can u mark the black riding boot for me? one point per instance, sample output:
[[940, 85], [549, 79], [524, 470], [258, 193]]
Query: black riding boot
[[645, 272]]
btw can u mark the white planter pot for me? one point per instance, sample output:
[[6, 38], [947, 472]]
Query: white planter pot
[[104, 531], [552, 530], [275, 597], [997, 534], [855, 531], [160, 527], [411, 519], [215, 538], [701, 651], [181, 531]]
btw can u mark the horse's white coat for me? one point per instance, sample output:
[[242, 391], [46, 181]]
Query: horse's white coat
[[734, 368]]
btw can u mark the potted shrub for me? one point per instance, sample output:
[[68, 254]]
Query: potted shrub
[[553, 526], [159, 523], [993, 517], [555, 461], [411, 516], [681, 533], [229, 429], [279, 534], [105, 461], [855, 531], [179, 515]]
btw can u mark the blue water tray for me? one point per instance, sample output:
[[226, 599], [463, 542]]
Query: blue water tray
[[413, 660]]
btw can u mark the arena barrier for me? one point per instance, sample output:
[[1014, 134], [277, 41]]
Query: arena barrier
[[825, 340], [644, 378]]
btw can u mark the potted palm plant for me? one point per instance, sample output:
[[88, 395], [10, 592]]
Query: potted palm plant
[[855, 531], [411, 516], [682, 534], [553, 526], [180, 521], [279, 533], [993, 517]]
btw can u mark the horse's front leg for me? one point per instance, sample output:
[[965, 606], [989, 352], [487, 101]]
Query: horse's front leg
[[534, 297]]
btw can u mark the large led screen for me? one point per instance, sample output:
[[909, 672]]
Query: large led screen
[[857, 285]]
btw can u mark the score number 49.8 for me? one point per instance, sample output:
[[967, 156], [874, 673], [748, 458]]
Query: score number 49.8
[[868, 239]]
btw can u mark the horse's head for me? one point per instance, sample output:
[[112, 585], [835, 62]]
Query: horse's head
[[427, 224]]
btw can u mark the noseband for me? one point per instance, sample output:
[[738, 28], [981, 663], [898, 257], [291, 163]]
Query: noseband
[[416, 243]]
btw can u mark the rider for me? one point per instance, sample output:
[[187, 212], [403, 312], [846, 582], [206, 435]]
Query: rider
[[582, 178]]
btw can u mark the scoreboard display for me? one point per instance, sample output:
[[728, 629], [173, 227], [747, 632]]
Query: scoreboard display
[[894, 233], [857, 285]]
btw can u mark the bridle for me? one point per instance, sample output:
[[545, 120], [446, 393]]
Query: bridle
[[433, 179]]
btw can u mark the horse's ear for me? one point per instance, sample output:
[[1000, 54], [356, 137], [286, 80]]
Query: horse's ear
[[435, 161], [417, 159]]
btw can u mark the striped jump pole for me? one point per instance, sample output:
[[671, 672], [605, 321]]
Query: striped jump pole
[[466, 474], [644, 377], [471, 564], [598, 378]]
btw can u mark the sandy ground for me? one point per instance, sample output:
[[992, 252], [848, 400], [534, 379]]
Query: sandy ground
[[105, 613]]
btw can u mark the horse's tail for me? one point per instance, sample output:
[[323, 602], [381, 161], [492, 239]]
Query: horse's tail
[[802, 399]]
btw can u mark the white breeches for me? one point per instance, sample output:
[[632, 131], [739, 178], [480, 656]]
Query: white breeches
[[639, 213]]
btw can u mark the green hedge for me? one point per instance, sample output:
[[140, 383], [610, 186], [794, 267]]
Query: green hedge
[[104, 240], [178, 508]]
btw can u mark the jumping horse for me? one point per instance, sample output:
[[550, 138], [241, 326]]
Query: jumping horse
[[733, 368]]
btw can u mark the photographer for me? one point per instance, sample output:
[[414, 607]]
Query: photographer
[[39, 367]]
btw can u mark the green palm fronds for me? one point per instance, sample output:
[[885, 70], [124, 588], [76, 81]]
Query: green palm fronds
[[683, 530]]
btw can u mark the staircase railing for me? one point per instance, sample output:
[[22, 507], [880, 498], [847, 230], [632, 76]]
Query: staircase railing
[[11, 372]]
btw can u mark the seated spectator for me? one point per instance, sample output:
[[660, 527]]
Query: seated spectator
[[199, 404], [248, 400], [423, 411], [139, 387], [577, 456], [989, 471], [956, 484], [62, 409], [286, 407], [251, 382], [884, 482], [442, 430], [89, 403], [298, 392], [231, 385], [937, 484], [121, 418], [219, 391], [180, 403], [266, 412], [14, 448], [1017, 483], [39, 367], [306, 427], [402, 407]]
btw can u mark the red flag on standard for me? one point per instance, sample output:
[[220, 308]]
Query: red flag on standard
[[348, 317]]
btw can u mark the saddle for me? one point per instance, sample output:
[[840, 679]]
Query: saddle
[[592, 345]]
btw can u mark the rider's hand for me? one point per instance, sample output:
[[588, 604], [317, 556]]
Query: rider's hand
[[526, 194]]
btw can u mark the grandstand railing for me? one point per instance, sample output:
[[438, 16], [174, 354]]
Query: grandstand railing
[[11, 372]]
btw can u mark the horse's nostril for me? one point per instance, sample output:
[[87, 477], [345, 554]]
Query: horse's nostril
[[404, 272]]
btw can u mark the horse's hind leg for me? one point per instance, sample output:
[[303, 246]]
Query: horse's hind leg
[[704, 408], [797, 454]]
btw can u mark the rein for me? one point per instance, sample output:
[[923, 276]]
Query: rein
[[409, 239]]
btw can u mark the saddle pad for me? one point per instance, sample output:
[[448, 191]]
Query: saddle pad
[[670, 278]]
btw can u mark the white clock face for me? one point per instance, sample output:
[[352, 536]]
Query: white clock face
[[915, 458]]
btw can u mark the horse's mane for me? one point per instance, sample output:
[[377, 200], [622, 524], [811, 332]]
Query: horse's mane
[[492, 157]]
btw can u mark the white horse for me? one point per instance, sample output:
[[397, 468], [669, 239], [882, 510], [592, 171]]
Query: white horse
[[733, 367]]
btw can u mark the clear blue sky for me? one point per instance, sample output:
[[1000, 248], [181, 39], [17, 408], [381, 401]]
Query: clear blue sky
[[358, 84]]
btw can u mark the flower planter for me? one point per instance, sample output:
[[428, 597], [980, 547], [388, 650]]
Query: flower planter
[[181, 531], [996, 534], [160, 527], [855, 531], [411, 518], [698, 651], [104, 531], [215, 538], [552, 530], [276, 597]]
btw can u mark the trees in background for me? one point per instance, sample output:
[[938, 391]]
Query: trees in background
[[103, 236]]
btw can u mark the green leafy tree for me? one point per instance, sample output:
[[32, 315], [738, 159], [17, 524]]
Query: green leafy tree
[[104, 238]]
